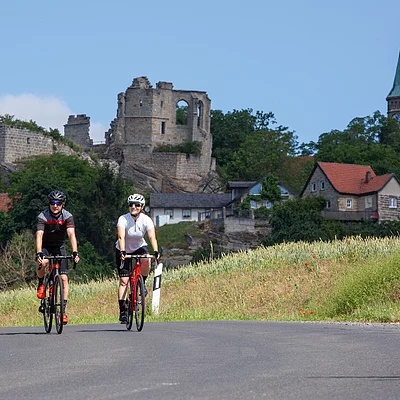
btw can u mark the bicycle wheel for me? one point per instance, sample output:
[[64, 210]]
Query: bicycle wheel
[[58, 303], [46, 307], [140, 303], [129, 310]]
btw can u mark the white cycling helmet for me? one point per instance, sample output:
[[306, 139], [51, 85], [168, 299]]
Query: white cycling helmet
[[136, 198]]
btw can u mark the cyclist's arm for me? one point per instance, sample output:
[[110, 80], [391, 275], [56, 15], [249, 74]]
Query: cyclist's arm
[[39, 241], [72, 239], [121, 238], [153, 240]]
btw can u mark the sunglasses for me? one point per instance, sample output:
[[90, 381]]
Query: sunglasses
[[56, 203], [135, 205]]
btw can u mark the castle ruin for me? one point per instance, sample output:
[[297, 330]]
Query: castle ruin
[[77, 130], [148, 120], [150, 117]]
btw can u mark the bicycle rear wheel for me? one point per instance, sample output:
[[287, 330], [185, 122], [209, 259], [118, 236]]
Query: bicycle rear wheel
[[140, 303], [46, 307], [58, 303], [129, 310]]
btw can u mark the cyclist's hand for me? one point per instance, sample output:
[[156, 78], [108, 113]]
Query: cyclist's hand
[[75, 257], [123, 254], [39, 258], [156, 255]]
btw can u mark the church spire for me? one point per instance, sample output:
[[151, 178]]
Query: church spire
[[393, 98]]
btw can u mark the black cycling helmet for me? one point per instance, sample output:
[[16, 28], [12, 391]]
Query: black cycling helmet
[[57, 195]]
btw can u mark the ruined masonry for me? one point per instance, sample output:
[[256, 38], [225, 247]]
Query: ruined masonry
[[146, 119]]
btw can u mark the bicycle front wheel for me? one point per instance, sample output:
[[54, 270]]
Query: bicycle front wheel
[[58, 303], [47, 311], [129, 310], [140, 303]]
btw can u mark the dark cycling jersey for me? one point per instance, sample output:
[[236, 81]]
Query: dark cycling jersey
[[54, 228]]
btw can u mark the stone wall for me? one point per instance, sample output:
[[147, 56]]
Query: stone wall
[[18, 144]]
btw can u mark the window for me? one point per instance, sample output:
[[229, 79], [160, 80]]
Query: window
[[186, 213], [349, 203], [208, 214], [393, 202], [328, 204], [140, 103], [253, 204], [256, 189], [322, 185], [169, 212], [163, 127], [313, 187], [268, 204]]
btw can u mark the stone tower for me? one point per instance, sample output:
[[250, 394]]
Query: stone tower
[[77, 130], [393, 98], [148, 118]]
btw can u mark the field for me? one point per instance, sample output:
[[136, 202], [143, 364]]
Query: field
[[353, 279]]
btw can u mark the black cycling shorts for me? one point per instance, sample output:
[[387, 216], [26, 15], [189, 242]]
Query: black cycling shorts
[[124, 272], [58, 251]]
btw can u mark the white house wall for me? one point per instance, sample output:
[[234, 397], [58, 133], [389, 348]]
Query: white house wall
[[177, 215]]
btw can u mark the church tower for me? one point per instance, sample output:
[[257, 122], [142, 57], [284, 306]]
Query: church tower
[[393, 98]]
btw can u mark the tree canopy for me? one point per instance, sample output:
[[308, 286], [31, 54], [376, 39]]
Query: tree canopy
[[95, 196]]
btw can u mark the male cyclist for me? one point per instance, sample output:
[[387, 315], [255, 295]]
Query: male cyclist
[[53, 224], [131, 228]]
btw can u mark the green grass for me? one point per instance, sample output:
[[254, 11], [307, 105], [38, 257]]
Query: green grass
[[349, 280], [173, 235]]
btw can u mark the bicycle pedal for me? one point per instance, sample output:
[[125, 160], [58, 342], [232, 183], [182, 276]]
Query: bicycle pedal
[[41, 309]]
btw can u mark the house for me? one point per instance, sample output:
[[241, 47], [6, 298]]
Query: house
[[240, 190], [5, 202], [171, 208], [354, 192]]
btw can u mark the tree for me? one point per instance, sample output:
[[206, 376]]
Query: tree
[[372, 140], [95, 196]]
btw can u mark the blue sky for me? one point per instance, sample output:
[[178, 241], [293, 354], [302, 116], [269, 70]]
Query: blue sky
[[316, 65]]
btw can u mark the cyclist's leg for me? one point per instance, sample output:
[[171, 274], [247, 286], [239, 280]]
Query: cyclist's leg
[[123, 284], [64, 272], [41, 271], [144, 265], [144, 262]]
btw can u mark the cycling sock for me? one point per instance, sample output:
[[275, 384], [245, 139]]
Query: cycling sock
[[65, 305], [121, 305], [144, 278], [40, 280]]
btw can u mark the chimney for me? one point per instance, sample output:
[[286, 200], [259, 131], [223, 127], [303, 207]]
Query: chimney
[[367, 176]]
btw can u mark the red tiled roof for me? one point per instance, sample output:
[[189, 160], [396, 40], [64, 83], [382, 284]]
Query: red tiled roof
[[351, 178], [5, 202]]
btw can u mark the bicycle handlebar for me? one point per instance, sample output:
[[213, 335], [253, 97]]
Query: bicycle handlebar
[[59, 257], [137, 257]]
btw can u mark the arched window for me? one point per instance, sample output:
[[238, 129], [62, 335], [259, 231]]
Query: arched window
[[182, 112], [199, 113]]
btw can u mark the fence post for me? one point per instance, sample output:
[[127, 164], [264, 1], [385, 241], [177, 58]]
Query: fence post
[[156, 288]]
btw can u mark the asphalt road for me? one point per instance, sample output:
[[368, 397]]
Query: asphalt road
[[202, 360]]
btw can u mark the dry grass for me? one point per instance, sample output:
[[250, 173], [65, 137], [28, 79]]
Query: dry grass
[[352, 279]]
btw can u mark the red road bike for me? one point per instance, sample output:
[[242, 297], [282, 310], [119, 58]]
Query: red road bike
[[136, 298], [53, 303]]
